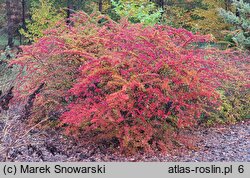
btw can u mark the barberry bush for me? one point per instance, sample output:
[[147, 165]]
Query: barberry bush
[[234, 94], [124, 82]]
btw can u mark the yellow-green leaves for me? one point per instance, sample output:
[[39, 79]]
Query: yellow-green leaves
[[140, 11], [43, 16]]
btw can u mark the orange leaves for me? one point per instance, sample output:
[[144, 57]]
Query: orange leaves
[[117, 98], [165, 85], [145, 77], [126, 81]]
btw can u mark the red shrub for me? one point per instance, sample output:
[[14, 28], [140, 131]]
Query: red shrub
[[55, 60], [148, 80], [134, 84]]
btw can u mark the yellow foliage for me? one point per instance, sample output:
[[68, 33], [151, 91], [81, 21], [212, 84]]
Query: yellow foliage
[[208, 20], [106, 4], [43, 16], [176, 16]]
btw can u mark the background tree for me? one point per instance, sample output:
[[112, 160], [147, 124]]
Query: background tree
[[43, 16], [141, 11], [206, 18], [241, 22], [100, 5], [13, 17], [178, 12], [2, 14]]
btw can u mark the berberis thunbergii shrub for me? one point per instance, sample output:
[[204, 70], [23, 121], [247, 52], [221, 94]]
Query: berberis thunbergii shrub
[[123, 81]]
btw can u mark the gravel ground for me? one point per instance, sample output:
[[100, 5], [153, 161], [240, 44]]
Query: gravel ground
[[221, 143]]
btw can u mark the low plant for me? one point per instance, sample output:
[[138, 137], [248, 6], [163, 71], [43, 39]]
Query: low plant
[[124, 82]]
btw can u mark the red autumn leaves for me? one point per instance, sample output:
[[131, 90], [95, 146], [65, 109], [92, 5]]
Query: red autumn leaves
[[130, 82]]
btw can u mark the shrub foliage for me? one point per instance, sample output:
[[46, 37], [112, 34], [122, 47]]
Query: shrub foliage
[[123, 81]]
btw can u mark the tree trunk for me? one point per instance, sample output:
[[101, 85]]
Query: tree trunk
[[237, 12], [227, 5], [100, 5], [23, 14], [14, 19], [23, 18], [160, 3], [69, 11], [10, 24]]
